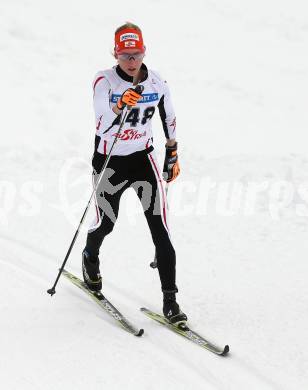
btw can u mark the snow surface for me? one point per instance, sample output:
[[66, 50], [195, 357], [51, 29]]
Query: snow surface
[[238, 72]]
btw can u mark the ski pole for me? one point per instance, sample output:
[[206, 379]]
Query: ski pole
[[139, 89]]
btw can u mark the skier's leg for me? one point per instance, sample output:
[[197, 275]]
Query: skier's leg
[[107, 200], [155, 213], [152, 194], [107, 209]]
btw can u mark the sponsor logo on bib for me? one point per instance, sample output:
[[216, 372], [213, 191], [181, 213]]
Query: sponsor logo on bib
[[129, 135], [146, 97]]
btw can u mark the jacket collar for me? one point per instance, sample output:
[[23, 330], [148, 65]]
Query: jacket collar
[[126, 77]]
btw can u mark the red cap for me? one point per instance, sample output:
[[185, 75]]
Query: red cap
[[128, 38]]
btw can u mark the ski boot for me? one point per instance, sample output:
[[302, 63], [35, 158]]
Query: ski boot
[[171, 309], [90, 271]]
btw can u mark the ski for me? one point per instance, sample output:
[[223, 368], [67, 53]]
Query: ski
[[184, 330], [104, 303]]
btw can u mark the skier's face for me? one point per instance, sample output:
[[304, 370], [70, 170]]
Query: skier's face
[[130, 61]]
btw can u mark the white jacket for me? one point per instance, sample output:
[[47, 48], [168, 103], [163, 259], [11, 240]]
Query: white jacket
[[136, 134]]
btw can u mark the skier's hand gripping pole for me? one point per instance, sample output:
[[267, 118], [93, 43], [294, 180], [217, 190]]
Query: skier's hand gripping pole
[[171, 164], [138, 90]]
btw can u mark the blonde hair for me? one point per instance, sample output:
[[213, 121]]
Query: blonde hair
[[128, 25]]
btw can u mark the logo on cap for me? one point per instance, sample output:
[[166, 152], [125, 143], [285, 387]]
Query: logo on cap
[[125, 37], [130, 44]]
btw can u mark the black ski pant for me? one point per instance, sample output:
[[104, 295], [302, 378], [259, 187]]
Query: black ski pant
[[139, 171]]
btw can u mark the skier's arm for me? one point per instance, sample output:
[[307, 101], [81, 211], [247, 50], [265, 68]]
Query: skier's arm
[[171, 165], [104, 114], [167, 116]]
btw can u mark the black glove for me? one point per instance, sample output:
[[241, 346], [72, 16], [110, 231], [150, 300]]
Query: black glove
[[171, 165]]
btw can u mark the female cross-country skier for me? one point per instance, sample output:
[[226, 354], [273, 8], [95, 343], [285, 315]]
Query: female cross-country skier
[[133, 162]]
